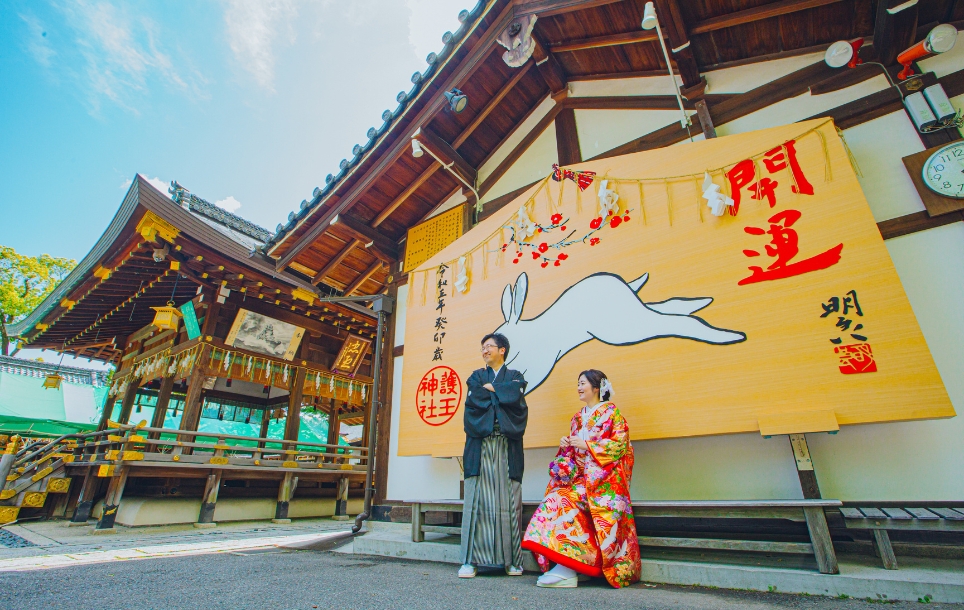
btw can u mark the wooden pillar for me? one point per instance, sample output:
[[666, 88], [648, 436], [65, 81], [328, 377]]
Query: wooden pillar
[[86, 499], [295, 395], [341, 500], [209, 500], [107, 412], [114, 494], [192, 402], [567, 138], [285, 492], [801, 457], [163, 400], [265, 421], [127, 404], [383, 418], [706, 121], [334, 425], [820, 538]]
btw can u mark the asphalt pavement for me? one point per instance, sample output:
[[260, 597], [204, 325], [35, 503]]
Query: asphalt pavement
[[305, 579]]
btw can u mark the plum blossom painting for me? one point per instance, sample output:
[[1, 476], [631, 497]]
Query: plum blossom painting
[[259, 333]]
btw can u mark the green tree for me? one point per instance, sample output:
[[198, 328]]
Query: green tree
[[24, 282]]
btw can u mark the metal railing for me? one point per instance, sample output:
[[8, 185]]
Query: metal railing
[[71, 374]]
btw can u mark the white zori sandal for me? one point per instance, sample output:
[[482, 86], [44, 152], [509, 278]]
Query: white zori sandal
[[559, 577]]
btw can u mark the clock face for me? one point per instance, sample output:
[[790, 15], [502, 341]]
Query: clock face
[[944, 171]]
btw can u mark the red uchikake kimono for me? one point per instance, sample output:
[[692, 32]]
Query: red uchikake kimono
[[586, 520]]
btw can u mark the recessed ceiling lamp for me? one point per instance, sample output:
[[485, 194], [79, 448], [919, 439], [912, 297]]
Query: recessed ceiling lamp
[[457, 100]]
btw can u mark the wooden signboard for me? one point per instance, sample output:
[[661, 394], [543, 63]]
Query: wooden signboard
[[425, 240], [350, 356], [259, 333], [785, 317]]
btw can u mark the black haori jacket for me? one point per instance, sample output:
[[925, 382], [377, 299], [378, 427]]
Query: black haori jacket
[[508, 403]]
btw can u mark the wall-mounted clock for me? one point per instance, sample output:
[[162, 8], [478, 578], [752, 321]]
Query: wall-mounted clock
[[943, 171]]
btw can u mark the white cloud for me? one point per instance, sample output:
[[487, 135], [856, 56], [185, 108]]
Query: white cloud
[[252, 29], [161, 185], [230, 204], [429, 20], [119, 56], [37, 44]]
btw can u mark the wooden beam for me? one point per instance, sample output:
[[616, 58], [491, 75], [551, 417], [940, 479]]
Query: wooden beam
[[493, 103], [408, 192], [596, 42], [382, 246], [774, 9], [335, 261], [893, 32], [679, 43], [468, 66], [567, 138], [637, 102], [547, 8], [913, 223], [520, 148], [361, 279], [706, 121], [443, 149], [549, 67]]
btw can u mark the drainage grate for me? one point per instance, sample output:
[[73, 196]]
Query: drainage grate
[[13, 541]]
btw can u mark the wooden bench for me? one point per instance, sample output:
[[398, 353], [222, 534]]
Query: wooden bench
[[809, 511], [879, 520]]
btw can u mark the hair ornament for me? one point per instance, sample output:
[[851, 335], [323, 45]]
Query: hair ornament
[[606, 386]]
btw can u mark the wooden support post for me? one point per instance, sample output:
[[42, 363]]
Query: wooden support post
[[418, 520], [383, 416], [801, 457], [341, 500], [114, 494], [86, 499], [295, 395], [265, 421], [285, 492], [334, 426], [567, 138], [160, 410], [209, 500], [884, 550], [820, 538], [192, 402], [107, 412], [706, 121], [127, 404]]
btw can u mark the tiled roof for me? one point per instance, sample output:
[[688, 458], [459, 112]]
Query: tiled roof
[[221, 216], [450, 41]]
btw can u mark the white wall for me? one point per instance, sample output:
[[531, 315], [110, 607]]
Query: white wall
[[897, 461]]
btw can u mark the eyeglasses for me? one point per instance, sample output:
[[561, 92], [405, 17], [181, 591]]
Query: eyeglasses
[[488, 346]]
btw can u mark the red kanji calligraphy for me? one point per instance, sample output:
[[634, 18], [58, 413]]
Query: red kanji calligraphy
[[439, 396], [777, 159], [784, 247], [741, 175], [780, 158], [765, 189], [857, 358]]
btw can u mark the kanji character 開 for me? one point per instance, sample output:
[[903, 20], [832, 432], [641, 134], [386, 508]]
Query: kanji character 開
[[784, 247], [780, 158]]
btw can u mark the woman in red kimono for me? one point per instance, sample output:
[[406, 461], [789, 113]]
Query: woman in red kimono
[[585, 524]]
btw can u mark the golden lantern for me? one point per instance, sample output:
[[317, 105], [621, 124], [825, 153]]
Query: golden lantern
[[168, 317], [53, 381]]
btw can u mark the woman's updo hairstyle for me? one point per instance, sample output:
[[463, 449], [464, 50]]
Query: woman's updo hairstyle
[[595, 377]]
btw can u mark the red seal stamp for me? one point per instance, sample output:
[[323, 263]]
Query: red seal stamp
[[439, 396], [855, 359]]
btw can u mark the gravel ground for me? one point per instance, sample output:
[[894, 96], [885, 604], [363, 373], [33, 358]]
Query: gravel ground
[[312, 579]]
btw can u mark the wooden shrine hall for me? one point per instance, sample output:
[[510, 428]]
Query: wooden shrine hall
[[222, 347]]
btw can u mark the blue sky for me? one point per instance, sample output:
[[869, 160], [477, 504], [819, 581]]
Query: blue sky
[[248, 102]]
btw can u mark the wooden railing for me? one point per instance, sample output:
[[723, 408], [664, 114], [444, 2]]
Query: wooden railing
[[131, 446]]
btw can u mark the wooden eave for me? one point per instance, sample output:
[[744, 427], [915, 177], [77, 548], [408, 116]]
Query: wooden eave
[[391, 191]]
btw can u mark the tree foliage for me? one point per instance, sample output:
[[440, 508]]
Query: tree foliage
[[24, 282]]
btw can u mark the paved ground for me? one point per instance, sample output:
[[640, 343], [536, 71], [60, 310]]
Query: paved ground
[[282, 579]]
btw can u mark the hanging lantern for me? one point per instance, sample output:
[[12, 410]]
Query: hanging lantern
[[53, 381], [168, 317]]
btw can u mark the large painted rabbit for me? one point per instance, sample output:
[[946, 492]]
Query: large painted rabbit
[[539, 342]]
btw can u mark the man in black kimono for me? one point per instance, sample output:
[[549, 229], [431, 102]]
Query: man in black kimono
[[495, 421]]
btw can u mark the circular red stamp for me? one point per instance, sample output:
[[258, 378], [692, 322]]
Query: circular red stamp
[[439, 396]]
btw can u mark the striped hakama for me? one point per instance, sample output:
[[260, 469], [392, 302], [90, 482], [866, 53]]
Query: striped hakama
[[493, 510]]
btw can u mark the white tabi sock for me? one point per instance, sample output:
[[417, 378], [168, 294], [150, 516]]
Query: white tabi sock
[[563, 572]]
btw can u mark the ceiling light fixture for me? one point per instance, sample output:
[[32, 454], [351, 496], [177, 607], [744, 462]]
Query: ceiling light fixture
[[649, 22], [457, 100], [416, 148]]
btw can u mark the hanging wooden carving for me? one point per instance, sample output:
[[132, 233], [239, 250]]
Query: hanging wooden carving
[[517, 38]]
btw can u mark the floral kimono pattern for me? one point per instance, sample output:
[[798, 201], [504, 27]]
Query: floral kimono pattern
[[586, 520]]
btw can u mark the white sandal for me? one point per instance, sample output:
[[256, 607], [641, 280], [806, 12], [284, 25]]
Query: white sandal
[[557, 582]]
